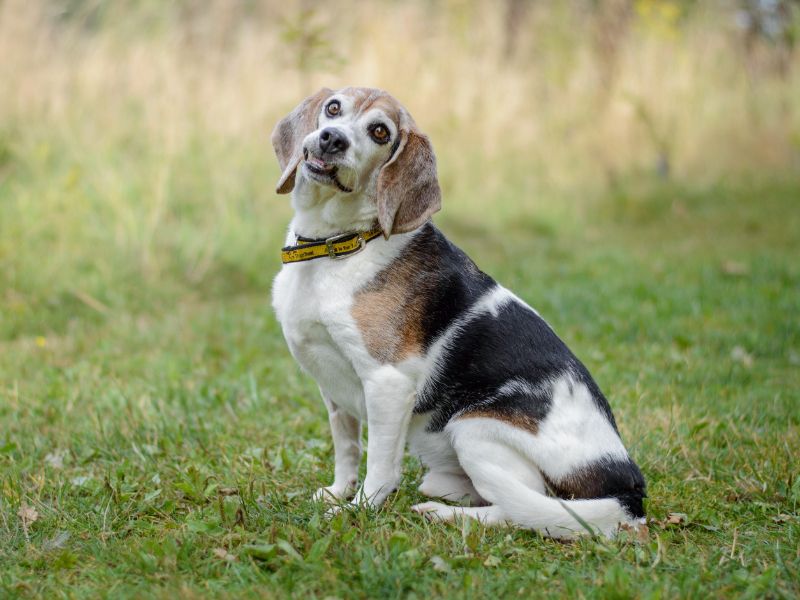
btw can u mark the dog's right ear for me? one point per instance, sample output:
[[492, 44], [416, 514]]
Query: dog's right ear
[[289, 133]]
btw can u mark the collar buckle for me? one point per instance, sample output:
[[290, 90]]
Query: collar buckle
[[329, 242]]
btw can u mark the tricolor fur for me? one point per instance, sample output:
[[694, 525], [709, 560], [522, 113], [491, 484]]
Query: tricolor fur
[[412, 338]]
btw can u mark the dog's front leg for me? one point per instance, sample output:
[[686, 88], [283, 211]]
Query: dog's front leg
[[389, 396], [346, 433]]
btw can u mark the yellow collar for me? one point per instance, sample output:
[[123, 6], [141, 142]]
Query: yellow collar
[[336, 247]]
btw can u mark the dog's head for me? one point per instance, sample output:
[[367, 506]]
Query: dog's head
[[360, 143]]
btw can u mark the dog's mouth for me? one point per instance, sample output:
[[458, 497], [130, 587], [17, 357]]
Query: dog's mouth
[[323, 172]]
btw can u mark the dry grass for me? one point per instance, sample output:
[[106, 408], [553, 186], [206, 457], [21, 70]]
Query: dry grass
[[569, 104], [143, 127]]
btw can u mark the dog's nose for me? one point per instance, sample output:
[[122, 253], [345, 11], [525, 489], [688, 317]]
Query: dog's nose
[[333, 141]]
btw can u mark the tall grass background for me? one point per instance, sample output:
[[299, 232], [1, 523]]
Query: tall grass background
[[134, 136]]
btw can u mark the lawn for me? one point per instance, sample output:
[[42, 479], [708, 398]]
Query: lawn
[[633, 175], [158, 440]]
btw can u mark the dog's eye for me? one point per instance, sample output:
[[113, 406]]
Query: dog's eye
[[379, 133], [333, 108]]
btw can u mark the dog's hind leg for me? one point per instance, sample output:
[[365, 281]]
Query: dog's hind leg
[[494, 457], [494, 471], [436, 511], [455, 487], [444, 478]]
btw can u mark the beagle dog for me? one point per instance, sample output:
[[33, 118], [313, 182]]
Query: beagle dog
[[403, 332]]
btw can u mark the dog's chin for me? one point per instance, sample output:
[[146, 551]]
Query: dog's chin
[[326, 174]]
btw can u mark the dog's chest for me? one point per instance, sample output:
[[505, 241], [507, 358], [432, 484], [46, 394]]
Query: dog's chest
[[313, 303], [313, 306]]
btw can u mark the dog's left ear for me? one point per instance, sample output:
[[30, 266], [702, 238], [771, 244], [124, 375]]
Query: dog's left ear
[[289, 133], [408, 188]]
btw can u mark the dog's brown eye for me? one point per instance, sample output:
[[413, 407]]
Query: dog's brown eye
[[333, 109], [380, 134]]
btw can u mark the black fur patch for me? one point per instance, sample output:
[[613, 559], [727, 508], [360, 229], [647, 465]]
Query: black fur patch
[[451, 281], [605, 478], [492, 350]]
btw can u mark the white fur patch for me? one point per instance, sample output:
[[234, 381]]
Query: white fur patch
[[502, 462], [312, 302], [572, 435], [516, 386], [575, 432]]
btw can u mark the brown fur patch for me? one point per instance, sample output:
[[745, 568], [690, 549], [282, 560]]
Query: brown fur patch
[[515, 419], [365, 99], [581, 483], [389, 310], [288, 135], [408, 185]]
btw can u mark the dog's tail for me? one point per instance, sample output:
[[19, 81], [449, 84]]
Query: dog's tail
[[567, 519]]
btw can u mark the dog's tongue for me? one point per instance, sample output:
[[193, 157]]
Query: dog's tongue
[[319, 163]]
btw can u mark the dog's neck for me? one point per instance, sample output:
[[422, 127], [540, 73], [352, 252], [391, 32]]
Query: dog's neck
[[323, 211]]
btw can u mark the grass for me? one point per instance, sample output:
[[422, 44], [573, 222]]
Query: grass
[[156, 438], [171, 447]]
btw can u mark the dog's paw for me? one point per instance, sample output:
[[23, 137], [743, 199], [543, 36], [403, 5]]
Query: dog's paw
[[333, 509], [434, 511], [333, 494]]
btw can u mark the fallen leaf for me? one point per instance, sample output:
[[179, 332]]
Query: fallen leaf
[[28, 515], [55, 459], [492, 561], [254, 452], [782, 518], [735, 268], [151, 449], [677, 518], [223, 554], [641, 531], [440, 564], [59, 540], [742, 356]]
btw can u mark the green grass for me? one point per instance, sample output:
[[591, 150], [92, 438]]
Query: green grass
[[154, 420]]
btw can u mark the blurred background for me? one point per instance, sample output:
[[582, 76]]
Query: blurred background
[[135, 161]]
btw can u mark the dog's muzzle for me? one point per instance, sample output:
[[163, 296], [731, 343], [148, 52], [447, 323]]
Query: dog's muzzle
[[323, 170]]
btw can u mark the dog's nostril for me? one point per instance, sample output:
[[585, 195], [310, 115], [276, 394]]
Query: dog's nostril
[[332, 141]]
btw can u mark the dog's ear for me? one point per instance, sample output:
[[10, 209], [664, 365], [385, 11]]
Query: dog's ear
[[288, 136], [408, 188]]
